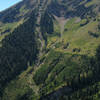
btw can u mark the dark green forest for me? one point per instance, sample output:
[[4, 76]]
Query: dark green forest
[[17, 51]]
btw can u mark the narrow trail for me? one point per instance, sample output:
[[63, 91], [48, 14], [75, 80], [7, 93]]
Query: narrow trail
[[38, 29], [42, 5]]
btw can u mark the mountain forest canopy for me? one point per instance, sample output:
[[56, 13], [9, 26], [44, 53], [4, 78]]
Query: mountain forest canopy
[[50, 50]]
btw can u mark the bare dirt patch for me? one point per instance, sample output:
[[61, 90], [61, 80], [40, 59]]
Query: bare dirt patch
[[62, 21]]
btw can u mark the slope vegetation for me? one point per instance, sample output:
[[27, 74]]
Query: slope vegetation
[[52, 52]]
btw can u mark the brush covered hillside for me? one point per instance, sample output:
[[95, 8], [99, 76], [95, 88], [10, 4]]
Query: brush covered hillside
[[50, 50]]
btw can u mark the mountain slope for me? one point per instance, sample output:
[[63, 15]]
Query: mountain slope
[[49, 50]]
